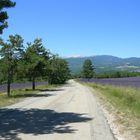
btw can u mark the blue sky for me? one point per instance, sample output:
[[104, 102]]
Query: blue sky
[[79, 27]]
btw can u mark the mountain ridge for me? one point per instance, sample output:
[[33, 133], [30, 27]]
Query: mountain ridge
[[104, 63]]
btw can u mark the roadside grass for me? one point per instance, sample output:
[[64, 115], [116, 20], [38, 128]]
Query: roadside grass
[[20, 94], [125, 101]]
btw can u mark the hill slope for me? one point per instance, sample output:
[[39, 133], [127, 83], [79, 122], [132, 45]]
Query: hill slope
[[104, 63]]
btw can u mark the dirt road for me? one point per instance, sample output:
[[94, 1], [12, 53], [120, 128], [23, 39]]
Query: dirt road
[[68, 113]]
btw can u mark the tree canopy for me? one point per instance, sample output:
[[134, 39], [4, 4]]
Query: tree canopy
[[58, 71], [10, 53], [88, 69], [31, 62], [35, 57], [3, 14]]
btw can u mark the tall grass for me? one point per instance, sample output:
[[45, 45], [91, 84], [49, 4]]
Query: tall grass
[[124, 99]]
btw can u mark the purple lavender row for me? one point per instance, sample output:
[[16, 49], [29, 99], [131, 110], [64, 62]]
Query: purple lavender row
[[3, 87], [130, 81]]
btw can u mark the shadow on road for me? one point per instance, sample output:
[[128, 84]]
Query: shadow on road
[[50, 90], [43, 93], [36, 121], [45, 90], [32, 95]]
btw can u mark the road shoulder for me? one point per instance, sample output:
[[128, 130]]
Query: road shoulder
[[120, 131]]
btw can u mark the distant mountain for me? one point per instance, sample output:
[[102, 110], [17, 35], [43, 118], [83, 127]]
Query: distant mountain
[[104, 63]]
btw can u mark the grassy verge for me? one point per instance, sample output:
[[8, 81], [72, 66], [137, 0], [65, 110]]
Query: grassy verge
[[124, 99], [19, 94], [125, 102]]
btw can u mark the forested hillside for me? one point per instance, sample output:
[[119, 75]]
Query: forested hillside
[[104, 63]]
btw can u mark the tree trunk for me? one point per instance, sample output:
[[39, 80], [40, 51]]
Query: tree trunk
[[8, 83], [33, 83]]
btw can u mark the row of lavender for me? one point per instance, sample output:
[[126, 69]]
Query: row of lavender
[[3, 87], [130, 81]]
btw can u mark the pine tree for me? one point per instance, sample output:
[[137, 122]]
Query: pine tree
[[3, 14], [88, 69], [10, 54], [35, 58], [58, 71]]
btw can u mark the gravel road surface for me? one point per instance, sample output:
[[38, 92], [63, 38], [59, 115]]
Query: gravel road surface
[[67, 113]]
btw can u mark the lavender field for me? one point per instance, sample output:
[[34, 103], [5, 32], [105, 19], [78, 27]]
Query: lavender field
[[130, 81], [3, 87]]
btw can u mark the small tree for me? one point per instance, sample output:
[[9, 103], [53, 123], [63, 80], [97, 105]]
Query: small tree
[[3, 14], [10, 53], [35, 60], [58, 71], [88, 69]]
